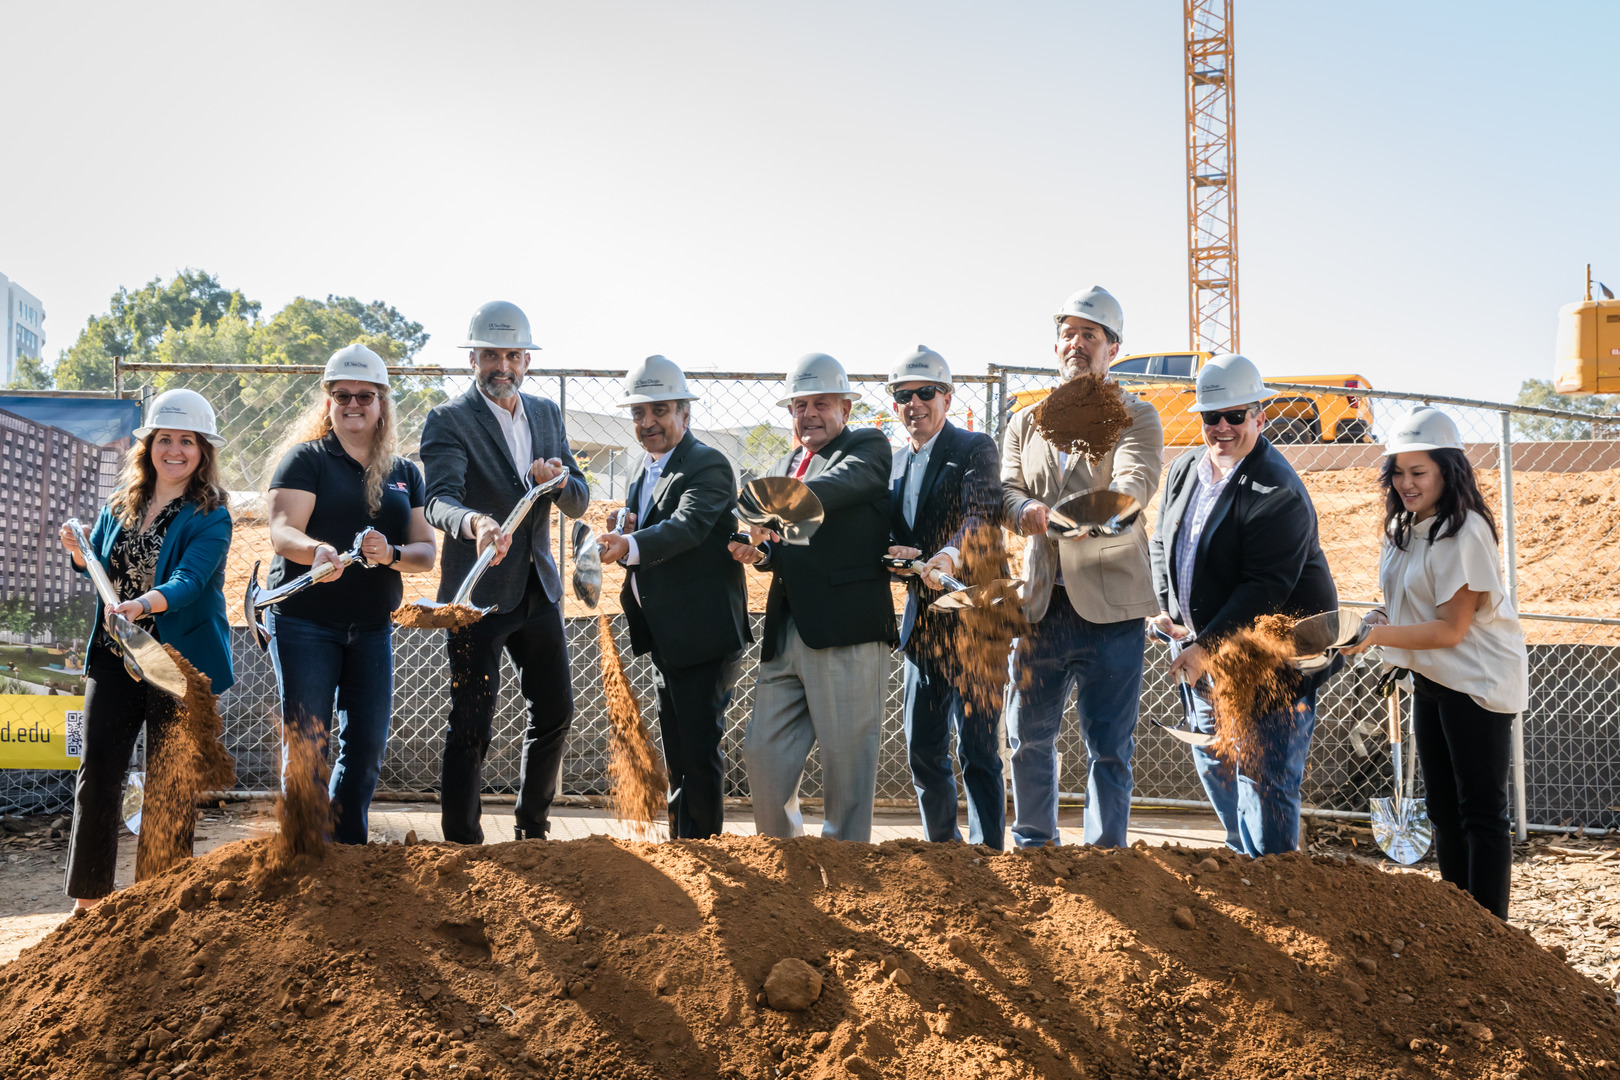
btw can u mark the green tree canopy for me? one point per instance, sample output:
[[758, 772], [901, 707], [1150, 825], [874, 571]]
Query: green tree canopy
[[1539, 393], [31, 374], [136, 322]]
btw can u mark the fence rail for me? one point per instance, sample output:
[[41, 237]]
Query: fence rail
[[1558, 507]]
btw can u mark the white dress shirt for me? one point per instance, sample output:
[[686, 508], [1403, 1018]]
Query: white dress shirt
[[1200, 504], [519, 443], [649, 480]]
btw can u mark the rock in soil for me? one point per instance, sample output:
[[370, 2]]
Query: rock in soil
[[602, 958]]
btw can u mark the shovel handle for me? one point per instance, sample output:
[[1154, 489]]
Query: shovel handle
[[508, 527], [92, 565], [1394, 724]]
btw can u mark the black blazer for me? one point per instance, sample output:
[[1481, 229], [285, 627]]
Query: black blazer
[[960, 493], [469, 469], [1259, 553], [694, 604], [836, 587]]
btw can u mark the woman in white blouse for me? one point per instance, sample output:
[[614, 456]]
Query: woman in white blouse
[[1449, 622]]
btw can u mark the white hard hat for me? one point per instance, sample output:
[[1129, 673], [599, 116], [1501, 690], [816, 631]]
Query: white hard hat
[[1096, 304], [1423, 428], [922, 364], [499, 325], [656, 378], [816, 373], [1227, 381], [181, 410], [356, 362]]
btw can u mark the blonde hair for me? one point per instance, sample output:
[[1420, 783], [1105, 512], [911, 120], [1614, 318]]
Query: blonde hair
[[316, 423], [138, 480]]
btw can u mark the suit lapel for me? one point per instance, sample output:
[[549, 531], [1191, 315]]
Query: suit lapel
[[539, 437], [944, 446], [1222, 505], [485, 421], [661, 488]]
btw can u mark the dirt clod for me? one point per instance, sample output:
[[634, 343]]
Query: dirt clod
[[1085, 415], [1183, 918], [442, 617], [792, 985]]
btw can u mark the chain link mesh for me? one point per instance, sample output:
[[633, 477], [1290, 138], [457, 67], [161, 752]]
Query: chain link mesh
[[1566, 509]]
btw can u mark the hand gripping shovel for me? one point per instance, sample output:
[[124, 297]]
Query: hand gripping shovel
[[1318, 639], [258, 599], [1094, 513], [508, 527], [1186, 735], [783, 505], [1400, 824], [959, 595], [144, 658]]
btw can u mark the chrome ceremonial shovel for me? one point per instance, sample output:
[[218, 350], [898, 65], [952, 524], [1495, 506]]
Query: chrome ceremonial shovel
[[587, 578], [1318, 639], [783, 505], [144, 658], [958, 594], [1400, 824], [508, 527], [258, 599], [1094, 513]]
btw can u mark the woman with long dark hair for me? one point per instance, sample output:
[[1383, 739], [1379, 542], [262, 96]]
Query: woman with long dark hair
[[162, 538], [1448, 621], [332, 646]]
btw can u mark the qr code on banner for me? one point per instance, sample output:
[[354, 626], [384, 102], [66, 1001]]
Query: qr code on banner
[[73, 732]]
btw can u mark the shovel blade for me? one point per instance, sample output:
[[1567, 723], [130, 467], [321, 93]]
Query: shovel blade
[[1402, 828], [1100, 509], [991, 593], [587, 578], [147, 660], [250, 609]]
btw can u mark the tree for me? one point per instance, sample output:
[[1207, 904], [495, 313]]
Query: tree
[[136, 322], [1539, 393], [380, 320], [17, 616], [763, 445], [31, 374]]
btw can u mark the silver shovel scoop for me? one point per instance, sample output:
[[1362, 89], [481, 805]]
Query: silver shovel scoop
[[144, 658], [257, 599], [1400, 823], [508, 527], [1094, 513], [958, 594], [1319, 638], [783, 505], [587, 578], [1186, 735]]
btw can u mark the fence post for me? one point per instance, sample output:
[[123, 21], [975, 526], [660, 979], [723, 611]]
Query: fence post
[[118, 377], [1510, 566], [562, 522]]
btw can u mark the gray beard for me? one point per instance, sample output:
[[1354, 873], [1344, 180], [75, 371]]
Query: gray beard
[[499, 391]]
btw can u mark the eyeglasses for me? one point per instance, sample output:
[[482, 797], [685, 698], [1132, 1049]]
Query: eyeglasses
[[343, 397], [924, 393], [1231, 416]]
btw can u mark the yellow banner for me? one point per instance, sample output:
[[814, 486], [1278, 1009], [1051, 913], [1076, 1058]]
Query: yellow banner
[[41, 731]]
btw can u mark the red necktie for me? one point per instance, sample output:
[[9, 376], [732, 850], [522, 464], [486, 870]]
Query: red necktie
[[804, 463]]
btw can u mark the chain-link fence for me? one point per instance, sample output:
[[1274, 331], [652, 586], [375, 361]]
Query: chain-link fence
[[1557, 517]]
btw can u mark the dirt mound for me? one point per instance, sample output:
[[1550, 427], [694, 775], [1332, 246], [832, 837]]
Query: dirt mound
[[602, 958]]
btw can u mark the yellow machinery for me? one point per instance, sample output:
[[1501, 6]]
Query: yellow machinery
[[1587, 360]]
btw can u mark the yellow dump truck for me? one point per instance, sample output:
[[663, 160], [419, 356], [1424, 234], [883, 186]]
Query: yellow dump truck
[[1291, 417], [1587, 359]]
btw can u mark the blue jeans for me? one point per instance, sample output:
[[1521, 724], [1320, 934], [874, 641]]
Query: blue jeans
[[321, 666], [1104, 661], [934, 709], [1260, 813]]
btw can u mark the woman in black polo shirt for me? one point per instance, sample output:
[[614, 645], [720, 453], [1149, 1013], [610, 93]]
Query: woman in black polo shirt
[[339, 475]]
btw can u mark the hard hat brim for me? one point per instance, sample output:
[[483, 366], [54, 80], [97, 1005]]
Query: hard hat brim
[[216, 440], [1198, 407], [849, 394], [646, 399], [1390, 449], [530, 347], [950, 387]]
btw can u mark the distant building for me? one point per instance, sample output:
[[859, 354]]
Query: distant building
[[25, 327], [47, 475]]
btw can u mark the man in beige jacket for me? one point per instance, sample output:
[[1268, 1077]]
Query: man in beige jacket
[[1086, 597]]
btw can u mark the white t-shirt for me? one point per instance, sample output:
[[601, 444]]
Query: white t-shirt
[[1490, 664]]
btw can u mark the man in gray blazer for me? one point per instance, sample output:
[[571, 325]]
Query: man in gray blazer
[[683, 596], [1087, 599], [829, 619], [480, 453]]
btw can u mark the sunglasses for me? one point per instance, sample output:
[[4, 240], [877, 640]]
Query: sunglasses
[[1231, 416], [343, 397], [926, 393]]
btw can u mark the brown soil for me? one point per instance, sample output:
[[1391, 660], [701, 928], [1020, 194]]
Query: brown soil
[[303, 808], [192, 760], [1252, 683], [634, 767], [444, 617], [1085, 415], [600, 958], [982, 637]]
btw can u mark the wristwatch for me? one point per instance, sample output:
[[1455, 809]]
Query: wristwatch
[[398, 554], [146, 605]]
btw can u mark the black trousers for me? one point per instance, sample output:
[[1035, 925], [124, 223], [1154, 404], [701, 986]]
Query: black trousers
[[116, 707], [532, 635], [692, 705], [1465, 753]]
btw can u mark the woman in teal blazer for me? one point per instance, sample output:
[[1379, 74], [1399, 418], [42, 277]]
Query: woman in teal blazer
[[162, 537]]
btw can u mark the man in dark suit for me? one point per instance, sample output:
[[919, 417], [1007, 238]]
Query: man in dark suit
[[1237, 539], [684, 596], [480, 453], [829, 618], [946, 486]]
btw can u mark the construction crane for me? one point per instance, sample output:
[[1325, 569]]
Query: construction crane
[[1212, 245]]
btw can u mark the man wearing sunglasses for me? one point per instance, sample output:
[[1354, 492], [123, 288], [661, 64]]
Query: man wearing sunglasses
[[481, 452], [945, 487], [1237, 539], [1085, 596]]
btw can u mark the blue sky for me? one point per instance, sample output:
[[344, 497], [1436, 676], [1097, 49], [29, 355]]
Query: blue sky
[[734, 184]]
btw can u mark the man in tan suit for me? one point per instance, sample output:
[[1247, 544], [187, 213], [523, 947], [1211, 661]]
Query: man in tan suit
[[1086, 598]]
